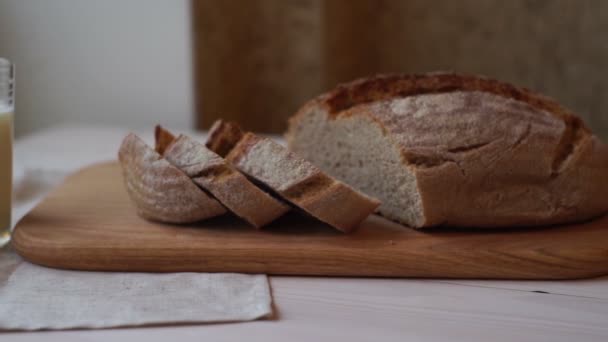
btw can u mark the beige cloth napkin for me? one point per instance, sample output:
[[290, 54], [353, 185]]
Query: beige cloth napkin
[[34, 297]]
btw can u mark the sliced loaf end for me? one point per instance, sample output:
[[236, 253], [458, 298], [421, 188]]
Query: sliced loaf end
[[456, 149], [160, 191]]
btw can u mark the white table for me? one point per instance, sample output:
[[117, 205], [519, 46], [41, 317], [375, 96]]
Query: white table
[[352, 309]]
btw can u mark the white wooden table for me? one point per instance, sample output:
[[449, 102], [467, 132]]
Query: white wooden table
[[351, 309]]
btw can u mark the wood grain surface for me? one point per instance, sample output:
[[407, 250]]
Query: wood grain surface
[[88, 223]]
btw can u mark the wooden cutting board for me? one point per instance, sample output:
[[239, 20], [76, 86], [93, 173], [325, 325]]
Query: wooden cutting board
[[89, 223]]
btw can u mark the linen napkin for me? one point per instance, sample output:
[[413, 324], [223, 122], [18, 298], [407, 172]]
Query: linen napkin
[[34, 297]]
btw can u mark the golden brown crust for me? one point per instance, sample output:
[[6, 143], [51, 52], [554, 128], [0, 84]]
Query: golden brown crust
[[339, 100], [223, 136], [239, 150], [163, 138], [391, 86]]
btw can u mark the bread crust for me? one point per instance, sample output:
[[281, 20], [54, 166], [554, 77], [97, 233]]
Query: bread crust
[[160, 191], [162, 139], [485, 153], [390, 86], [223, 136]]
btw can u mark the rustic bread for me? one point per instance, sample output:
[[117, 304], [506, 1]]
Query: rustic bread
[[301, 183], [456, 150], [160, 191], [212, 173]]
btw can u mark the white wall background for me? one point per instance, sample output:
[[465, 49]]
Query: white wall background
[[115, 62]]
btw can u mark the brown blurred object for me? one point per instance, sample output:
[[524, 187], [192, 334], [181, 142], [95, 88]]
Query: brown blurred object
[[256, 62]]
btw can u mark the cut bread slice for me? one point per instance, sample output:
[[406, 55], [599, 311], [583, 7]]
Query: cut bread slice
[[301, 183], [223, 136], [457, 150], [213, 174], [159, 190]]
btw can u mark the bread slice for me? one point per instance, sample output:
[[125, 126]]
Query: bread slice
[[457, 150], [301, 183], [212, 173], [223, 136], [160, 191]]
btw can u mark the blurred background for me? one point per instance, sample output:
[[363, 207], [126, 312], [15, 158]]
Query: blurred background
[[184, 63]]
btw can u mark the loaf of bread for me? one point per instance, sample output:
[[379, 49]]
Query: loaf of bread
[[458, 150], [183, 181]]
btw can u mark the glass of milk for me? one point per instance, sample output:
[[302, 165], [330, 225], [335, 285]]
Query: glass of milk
[[7, 105]]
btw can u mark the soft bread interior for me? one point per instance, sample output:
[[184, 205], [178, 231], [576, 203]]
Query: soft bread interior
[[356, 151]]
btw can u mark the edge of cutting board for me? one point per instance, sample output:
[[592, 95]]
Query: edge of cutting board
[[88, 223]]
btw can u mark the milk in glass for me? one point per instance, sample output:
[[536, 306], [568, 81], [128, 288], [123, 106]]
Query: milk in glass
[[6, 147], [6, 162]]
